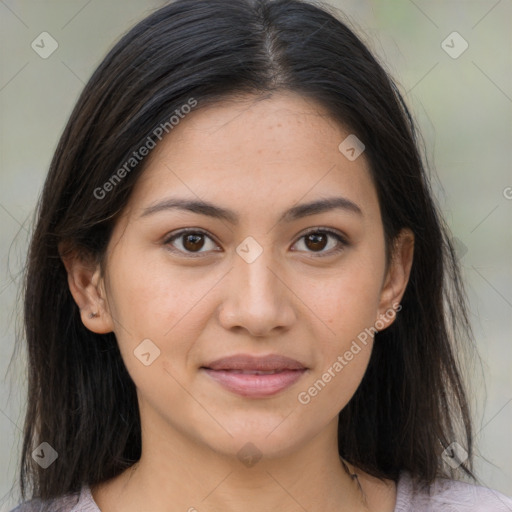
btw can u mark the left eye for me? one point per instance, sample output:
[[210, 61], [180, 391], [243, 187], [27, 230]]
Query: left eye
[[192, 241], [318, 240]]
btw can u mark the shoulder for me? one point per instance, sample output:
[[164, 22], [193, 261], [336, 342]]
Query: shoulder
[[76, 502], [446, 495]]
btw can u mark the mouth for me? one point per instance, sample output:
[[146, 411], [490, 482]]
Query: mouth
[[255, 377], [253, 372]]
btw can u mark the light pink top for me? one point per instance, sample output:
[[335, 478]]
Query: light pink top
[[444, 496]]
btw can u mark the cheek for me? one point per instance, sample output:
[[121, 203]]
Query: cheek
[[332, 386], [343, 348], [347, 301], [149, 296], [169, 306]]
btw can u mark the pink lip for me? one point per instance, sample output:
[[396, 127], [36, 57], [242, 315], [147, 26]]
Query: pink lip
[[237, 373], [249, 362], [253, 385]]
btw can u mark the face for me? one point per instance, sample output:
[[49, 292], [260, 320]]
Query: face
[[256, 274]]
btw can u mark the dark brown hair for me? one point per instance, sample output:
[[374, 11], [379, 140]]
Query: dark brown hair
[[411, 403]]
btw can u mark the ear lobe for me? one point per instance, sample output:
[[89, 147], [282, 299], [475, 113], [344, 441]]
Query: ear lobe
[[87, 288], [397, 277]]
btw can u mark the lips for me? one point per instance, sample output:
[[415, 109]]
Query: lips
[[248, 363], [255, 377]]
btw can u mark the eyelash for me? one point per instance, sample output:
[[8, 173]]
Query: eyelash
[[340, 238]]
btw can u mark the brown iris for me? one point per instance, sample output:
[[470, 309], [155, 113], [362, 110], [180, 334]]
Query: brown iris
[[193, 242], [315, 240]]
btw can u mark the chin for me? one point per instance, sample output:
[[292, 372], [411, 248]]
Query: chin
[[269, 439]]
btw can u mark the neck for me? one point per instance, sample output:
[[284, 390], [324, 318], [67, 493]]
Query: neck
[[176, 473]]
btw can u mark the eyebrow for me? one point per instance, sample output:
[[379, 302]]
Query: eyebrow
[[211, 210]]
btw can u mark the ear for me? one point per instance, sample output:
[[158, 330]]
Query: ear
[[396, 278], [87, 288]]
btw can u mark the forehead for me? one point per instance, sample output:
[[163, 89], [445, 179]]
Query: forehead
[[257, 153]]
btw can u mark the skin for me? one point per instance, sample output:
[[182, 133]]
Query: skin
[[258, 158]]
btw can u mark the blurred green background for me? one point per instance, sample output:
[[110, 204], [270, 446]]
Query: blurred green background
[[462, 101]]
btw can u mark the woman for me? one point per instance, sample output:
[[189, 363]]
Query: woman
[[236, 288]]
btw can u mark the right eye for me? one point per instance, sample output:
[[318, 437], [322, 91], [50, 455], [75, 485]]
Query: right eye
[[190, 240]]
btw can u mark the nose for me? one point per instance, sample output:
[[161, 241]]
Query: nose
[[258, 298]]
